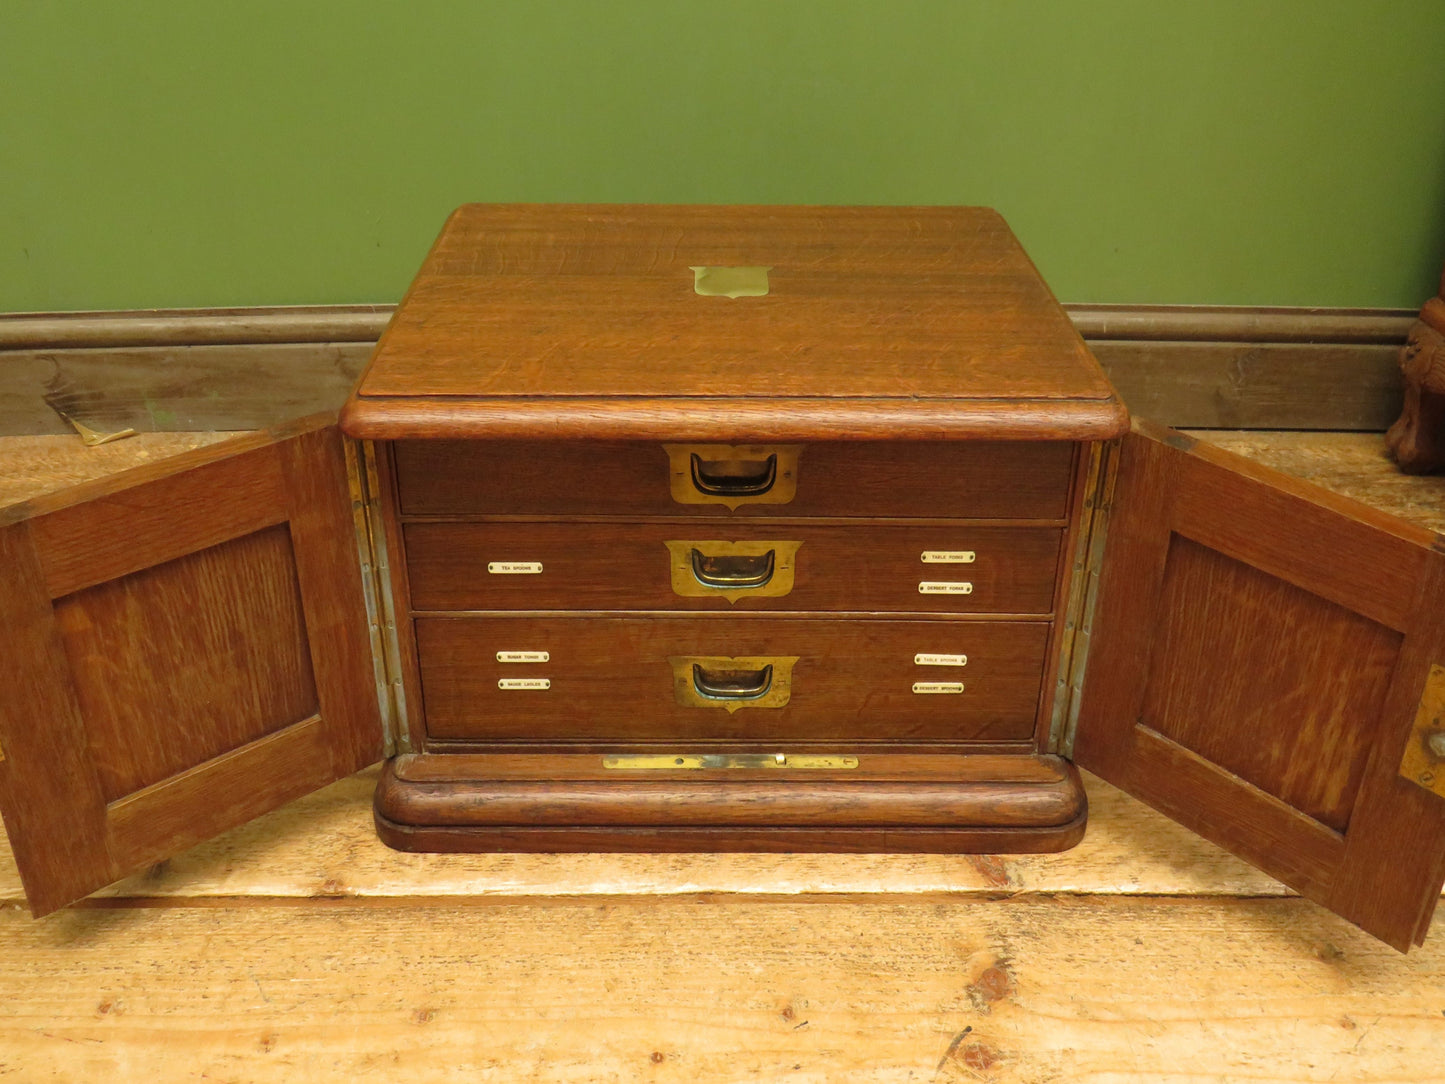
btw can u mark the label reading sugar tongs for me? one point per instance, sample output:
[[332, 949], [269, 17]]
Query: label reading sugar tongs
[[524, 656]]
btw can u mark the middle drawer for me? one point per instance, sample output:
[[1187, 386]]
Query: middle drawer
[[695, 565]]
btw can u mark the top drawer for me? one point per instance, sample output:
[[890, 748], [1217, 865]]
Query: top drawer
[[928, 480]]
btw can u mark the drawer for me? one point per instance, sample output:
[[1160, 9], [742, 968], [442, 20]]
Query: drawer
[[928, 480], [718, 565], [714, 677]]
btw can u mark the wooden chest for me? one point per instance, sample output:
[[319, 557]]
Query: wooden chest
[[728, 528]]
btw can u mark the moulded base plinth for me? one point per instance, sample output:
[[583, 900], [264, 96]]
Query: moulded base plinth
[[949, 803]]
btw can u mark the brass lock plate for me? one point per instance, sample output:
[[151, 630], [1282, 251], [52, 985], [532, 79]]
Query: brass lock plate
[[1424, 761]]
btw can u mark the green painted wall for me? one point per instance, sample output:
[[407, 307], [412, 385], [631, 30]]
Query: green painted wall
[[1231, 151]]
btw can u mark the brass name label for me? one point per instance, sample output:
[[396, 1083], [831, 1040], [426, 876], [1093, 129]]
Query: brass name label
[[945, 587], [935, 687], [731, 282], [524, 683], [940, 660], [949, 557], [524, 656], [514, 568]]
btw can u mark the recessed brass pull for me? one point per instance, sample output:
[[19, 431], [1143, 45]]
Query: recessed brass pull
[[733, 477], [711, 567], [732, 682], [733, 474], [676, 762], [732, 570]]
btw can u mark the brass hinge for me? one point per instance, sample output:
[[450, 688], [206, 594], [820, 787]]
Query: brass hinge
[[376, 589], [1083, 595], [1424, 761]]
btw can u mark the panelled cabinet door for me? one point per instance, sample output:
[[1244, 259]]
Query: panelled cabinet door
[[185, 646], [1261, 666]]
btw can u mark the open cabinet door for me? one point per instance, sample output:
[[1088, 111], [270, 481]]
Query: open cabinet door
[[185, 646], [1261, 652]]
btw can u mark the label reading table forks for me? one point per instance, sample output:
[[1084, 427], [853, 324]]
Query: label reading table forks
[[949, 557]]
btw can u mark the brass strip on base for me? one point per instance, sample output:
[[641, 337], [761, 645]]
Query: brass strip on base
[[731, 761]]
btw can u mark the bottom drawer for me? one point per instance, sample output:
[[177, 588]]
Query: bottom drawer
[[729, 678]]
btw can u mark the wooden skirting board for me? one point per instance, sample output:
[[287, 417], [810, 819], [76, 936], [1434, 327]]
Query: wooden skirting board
[[1188, 366]]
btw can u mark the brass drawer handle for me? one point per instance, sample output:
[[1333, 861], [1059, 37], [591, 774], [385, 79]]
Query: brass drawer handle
[[707, 568], [733, 477], [732, 682], [733, 570], [733, 474]]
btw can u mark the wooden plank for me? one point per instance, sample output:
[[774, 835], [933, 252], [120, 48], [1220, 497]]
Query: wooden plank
[[174, 387], [1253, 385], [882, 991], [35, 465], [1353, 465], [365, 323], [325, 845], [191, 327], [1240, 323], [235, 369]]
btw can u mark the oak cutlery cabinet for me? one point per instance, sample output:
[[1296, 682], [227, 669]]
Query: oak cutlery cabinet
[[690, 528]]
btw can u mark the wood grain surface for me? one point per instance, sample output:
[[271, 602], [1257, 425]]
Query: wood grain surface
[[189, 650], [627, 566], [1257, 658], [970, 480], [861, 302], [611, 680], [271, 957]]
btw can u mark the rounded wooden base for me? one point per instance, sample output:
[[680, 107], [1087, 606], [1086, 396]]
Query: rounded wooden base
[[889, 803]]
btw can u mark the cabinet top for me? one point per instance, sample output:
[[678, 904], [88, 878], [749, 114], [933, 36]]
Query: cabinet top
[[739, 322]]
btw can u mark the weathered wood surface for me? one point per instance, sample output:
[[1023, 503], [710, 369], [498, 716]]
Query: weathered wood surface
[[1253, 385], [180, 387], [324, 846], [877, 990], [1353, 465], [32, 465]]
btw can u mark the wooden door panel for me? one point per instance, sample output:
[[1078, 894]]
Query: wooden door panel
[[187, 649], [1258, 650]]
